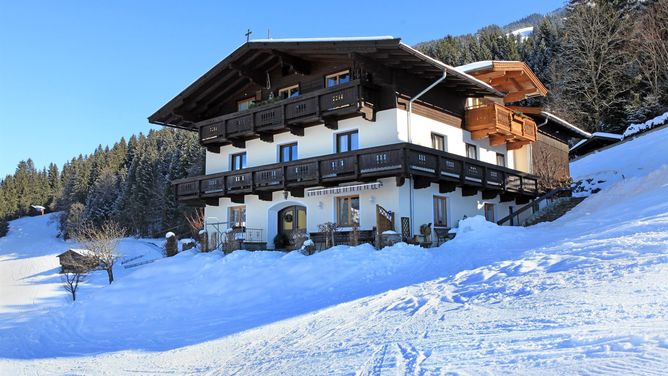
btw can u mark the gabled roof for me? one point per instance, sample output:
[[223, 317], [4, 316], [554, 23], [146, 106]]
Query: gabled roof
[[264, 54], [596, 141], [512, 77], [79, 251]]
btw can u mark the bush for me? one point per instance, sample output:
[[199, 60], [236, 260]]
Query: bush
[[281, 241]]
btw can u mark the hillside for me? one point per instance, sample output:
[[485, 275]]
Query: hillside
[[586, 293]]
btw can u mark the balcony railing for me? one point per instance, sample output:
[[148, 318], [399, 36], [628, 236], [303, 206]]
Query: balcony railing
[[403, 160], [494, 120], [282, 115]]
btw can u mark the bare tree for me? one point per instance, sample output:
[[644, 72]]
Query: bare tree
[[102, 241], [650, 45], [592, 83], [195, 221], [71, 281], [550, 169]]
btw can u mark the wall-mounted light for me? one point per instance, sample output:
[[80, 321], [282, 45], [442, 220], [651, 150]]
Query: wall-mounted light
[[285, 195], [320, 204]]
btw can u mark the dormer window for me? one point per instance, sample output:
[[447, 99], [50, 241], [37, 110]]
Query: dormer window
[[245, 104], [337, 78], [289, 92]]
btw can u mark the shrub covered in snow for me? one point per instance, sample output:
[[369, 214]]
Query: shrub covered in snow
[[171, 245], [634, 129]]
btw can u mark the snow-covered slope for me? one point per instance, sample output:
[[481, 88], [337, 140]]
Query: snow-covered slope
[[587, 293]]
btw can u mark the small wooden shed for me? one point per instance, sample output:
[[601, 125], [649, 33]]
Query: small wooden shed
[[77, 260], [37, 210]]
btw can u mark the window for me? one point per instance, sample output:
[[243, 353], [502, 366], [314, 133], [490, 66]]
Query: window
[[237, 216], [489, 212], [287, 153], [438, 142], [347, 210], [337, 78], [471, 151], [500, 160], [440, 211], [238, 161], [347, 141], [245, 104], [474, 102], [289, 92]]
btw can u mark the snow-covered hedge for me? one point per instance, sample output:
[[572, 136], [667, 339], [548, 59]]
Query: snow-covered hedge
[[649, 124]]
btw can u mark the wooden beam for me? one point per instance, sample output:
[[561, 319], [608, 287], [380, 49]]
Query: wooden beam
[[239, 143], [446, 186], [267, 137], [507, 196], [476, 135], [296, 130], [522, 199], [237, 199], [469, 191], [421, 182], [488, 194], [257, 78], [296, 64], [495, 139], [400, 180], [519, 95], [212, 201], [331, 123], [213, 148], [264, 196], [297, 192], [514, 145]]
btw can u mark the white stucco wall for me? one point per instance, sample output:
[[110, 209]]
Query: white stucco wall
[[317, 140], [389, 128]]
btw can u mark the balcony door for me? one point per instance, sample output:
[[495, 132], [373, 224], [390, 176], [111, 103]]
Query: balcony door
[[291, 218]]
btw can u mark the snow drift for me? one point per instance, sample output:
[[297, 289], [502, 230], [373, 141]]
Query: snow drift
[[584, 294]]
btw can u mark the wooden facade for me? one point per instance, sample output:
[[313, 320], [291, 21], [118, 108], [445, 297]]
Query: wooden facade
[[500, 124], [400, 161]]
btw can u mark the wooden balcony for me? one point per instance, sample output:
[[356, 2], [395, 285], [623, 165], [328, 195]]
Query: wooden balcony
[[401, 161], [293, 114], [500, 124]]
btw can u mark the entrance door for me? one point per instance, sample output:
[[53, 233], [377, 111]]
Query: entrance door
[[292, 218]]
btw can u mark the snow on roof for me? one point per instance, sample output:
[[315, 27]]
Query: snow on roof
[[610, 136], [80, 251], [38, 207], [327, 39], [607, 135], [169, 235], [478, 65], [565, 124]]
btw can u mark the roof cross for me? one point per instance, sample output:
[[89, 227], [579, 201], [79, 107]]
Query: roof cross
[[248, 34]]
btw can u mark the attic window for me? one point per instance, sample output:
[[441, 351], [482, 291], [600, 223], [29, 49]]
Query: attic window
[[289, 92], [337, 78], [245, 104]]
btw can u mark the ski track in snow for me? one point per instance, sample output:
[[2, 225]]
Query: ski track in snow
[[586, 294]]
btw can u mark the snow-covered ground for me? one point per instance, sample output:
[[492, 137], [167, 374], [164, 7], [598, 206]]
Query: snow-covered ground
[[587, 293]]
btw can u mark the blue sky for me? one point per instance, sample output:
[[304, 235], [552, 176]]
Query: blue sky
[[76, 74]]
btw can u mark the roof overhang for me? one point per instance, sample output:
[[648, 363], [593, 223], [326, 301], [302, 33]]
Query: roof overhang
[[265, 54], [512, 77]]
